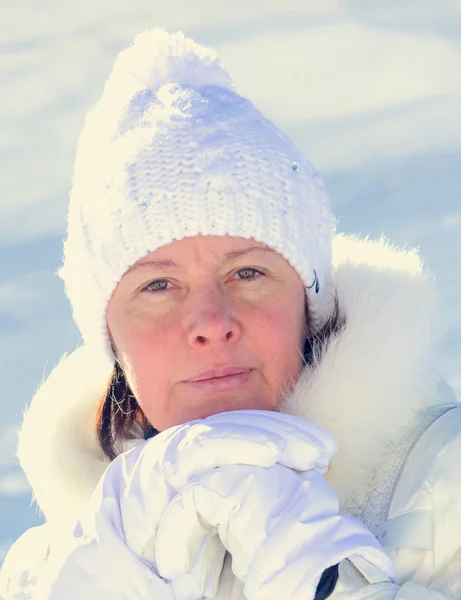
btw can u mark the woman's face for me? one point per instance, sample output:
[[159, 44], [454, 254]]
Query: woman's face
[[202, 304]]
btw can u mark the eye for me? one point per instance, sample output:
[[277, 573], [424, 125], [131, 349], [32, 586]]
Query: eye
[[158, 285], [249, 273]]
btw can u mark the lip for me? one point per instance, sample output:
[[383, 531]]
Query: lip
[[215, 373], [223, 383]]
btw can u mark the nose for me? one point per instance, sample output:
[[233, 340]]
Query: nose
[[210, 321]]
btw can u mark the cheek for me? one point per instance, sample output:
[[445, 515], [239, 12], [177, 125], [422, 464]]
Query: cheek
[[137, 334], [278, 335], [147, 354], [284, 322]]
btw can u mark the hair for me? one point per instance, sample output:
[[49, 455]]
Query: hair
[[119, 414]]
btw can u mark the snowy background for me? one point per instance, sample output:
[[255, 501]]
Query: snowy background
[[371, 91]]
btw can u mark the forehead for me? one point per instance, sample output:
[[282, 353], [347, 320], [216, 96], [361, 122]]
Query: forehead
[[206, 247]]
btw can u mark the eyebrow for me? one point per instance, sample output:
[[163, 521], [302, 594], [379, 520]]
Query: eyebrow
[[229, 256]]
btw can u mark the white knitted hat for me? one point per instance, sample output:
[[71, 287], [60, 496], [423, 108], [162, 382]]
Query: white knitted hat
[[171, 151]]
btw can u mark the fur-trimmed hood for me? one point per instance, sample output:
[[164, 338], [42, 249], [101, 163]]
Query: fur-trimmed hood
[[365, 390]]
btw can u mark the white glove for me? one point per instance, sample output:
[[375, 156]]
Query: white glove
[[170, 460], [281, 528], [119, 523]]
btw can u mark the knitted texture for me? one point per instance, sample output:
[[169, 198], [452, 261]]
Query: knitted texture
[[171, 151]]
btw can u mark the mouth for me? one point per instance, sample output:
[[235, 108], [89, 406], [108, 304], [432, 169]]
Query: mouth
[[218, 373], [222, 382]]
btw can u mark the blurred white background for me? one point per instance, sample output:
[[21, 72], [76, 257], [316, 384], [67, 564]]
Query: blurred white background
[[370, 91]]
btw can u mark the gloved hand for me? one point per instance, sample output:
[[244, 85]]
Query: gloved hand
[[170, 460], [282, 529], [119, 524], [242, 437]]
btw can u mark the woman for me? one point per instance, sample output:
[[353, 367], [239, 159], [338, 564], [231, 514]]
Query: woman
[[253, 413]]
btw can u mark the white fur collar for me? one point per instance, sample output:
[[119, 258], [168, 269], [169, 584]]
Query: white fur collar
[[365, 391]]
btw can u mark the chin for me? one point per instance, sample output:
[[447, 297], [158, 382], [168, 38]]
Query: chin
[[225, 406]]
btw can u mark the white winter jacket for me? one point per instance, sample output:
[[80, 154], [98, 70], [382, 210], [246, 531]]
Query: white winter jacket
[[397, 424]]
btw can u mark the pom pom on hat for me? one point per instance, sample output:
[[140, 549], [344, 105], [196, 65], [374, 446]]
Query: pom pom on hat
[[171, 150], [155, 58]]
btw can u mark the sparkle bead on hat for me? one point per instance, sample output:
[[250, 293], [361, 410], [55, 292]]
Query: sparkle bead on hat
[[170, 151]]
